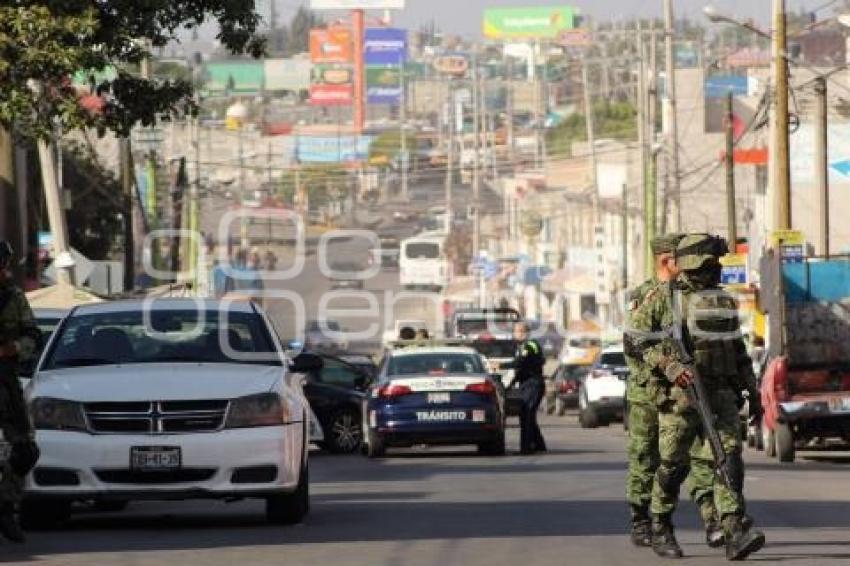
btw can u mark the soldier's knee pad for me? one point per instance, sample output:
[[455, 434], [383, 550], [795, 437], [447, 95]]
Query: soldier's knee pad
[[671, 475]]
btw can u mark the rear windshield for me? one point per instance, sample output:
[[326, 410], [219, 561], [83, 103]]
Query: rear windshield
[[612, 359], [434, 364], [422, 250], [166, 336]]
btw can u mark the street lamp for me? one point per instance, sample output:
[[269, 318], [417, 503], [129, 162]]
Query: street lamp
[[717, 17]]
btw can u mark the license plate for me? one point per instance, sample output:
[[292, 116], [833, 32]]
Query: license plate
[[841, 405], [154, 458], [479, 416], [440, 416], [439, 398]]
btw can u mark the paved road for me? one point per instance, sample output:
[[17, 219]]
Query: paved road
[[449, 507]]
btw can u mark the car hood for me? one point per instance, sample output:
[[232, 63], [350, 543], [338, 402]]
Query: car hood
[[147, 382]]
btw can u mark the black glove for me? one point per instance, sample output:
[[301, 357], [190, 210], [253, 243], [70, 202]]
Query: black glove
[[24, 457]]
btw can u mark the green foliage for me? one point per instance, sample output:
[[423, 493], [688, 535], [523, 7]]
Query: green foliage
[[295, 38], [45, 42], [612, 120], [323, 182]]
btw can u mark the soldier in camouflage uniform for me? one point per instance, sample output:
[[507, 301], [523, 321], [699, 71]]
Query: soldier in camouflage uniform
[[18, 342], [710, 327], [643, 421]]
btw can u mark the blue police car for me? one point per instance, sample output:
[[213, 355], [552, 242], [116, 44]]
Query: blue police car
[[435, 395]]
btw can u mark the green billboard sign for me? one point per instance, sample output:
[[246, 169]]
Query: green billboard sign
[[543, 22]]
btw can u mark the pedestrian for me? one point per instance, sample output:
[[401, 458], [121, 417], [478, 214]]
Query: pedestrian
[[271, 261], [422, 334], [528, 373], [694, 308], [642, 418], [19, 338]]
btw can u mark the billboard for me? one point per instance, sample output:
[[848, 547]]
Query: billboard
[[385, 46], [357, 4], [331, 85], [287, 74], [332, 45], [383, 85], [332, 149], [542, 22]]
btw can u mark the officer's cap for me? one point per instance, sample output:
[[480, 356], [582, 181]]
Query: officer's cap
[[695, 250], [666, 244]]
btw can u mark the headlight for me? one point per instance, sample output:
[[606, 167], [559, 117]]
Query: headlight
[[264, 409], [57, 414]]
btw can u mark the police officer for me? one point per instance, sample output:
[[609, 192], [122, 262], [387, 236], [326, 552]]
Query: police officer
[[528, 372], [18, 341], [706, 318], [643, 419]]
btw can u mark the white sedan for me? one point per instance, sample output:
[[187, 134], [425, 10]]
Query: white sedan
[[170, 399]]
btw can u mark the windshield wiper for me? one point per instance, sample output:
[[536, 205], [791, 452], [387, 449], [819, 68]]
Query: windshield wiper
[[83, 362]]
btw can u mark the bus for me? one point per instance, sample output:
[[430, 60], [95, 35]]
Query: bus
[[423, 263]]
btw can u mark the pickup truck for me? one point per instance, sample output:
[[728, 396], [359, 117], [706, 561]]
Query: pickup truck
[[805, 388]]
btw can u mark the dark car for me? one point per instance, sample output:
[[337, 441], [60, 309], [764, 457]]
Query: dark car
[[363, 362], [346, 275], [562, 389], [336, 393]]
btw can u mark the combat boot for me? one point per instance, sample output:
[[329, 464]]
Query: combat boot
[[9, 527], [713, 529], [740, 542], [664, 538], [641, 526]]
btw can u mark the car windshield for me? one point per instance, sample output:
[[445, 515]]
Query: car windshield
[[481, 325], [166, 336], [495, 348], [435, 364], [422, 250], [617, 359]]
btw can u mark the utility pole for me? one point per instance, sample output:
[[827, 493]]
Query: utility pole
[[782, 175], [450, 109], [402, 117], [476, 147], [591, 137], [822, 165], [244, 241], [127, 192], [8, 194], [731, 215], [55, 213], [624, 238], [644, 150], [509, 101], [652, 116], [538, 121], [672, 197]]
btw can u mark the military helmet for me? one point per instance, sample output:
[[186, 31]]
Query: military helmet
[[694, 250], [665, 244], [6, 254]]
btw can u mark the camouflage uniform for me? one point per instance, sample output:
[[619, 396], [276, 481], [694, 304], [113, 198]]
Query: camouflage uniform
[[710, 326], [17, 325], [643, 425]]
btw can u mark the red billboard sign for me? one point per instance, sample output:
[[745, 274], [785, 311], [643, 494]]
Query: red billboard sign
[[331, 95], [332, 45]]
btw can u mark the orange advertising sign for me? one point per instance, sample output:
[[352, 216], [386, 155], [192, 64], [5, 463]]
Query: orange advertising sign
[[332, 45]]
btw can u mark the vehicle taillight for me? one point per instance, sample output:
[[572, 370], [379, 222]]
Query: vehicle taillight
[[485, 388], [390, 391], [568, 386], [780, 378]]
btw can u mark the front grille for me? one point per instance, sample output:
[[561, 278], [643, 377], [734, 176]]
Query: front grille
[[156, 417], [185, 475]]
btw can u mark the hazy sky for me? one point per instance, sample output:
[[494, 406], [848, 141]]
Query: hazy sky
[[464, 16]]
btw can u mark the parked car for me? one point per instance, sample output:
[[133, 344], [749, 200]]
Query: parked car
[[602, 393], [562, 388], [346, 275], [47, 320], [324, 336], [336, 393], [167, 399]]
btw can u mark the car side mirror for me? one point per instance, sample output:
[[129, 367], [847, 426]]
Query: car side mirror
[[306, 363]]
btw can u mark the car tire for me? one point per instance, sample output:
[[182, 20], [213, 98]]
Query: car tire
[[375, 447], [344, 432], [769, 439], [494, 447], [290, 508], [560, 407], [588, 418], [785, 443], [44, 514]]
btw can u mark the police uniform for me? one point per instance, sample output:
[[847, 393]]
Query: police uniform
[[644, 430], [528, 372], [19, 337], [709, 323]]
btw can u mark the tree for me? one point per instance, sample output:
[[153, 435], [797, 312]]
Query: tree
[[323, 183], [387, 147], [298, 38], [44, 43], [615, 120]]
